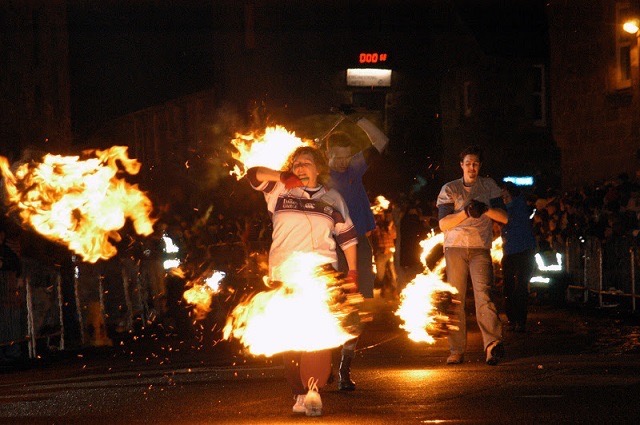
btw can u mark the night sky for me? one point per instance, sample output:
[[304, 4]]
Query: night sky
[[126, 56]]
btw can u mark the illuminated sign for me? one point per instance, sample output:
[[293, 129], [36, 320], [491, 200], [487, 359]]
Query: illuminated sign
[[369, 77], [374, 57], [520, 181]]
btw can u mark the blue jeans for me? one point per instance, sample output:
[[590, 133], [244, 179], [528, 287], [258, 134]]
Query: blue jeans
[[474, 262]]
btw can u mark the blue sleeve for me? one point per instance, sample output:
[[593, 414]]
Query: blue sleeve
[[370, 154], [444, 210]]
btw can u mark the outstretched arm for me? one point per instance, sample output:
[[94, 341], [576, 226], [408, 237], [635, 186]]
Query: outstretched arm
[[257, 175], [263, 174]]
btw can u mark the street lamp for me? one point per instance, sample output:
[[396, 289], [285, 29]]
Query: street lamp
[[632, 26]]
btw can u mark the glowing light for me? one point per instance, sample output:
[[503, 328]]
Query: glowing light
[[171, 264], [80, 203], [270, 149], [418, 308], [539, 279], [308, 311], [520, 181], [496, 250], [415, 375], [369, 77], [549, 268], [169, 246], [631, 27]]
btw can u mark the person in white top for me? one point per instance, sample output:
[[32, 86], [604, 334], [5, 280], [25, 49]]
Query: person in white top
[[467, 208], [307, 217]]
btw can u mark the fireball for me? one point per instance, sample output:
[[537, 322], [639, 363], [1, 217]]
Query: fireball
[[421, 308], [380, 205], [308, 311], [270, 149], [424, 314], [202, 291], [80, 203], [426, 303]]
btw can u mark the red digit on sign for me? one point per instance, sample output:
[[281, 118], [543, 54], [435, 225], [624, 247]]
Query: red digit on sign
[[383, 57], [363, 57], [374, 58]]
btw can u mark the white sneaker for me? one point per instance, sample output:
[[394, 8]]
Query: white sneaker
[[299, 406], [312, 401]]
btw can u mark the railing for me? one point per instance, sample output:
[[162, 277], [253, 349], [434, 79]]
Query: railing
[[606, 272], [31, 308], [113, 293]]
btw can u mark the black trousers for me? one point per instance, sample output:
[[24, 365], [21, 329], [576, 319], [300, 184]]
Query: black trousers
[[517, 270]]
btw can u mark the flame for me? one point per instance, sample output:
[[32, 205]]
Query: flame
[[380, 205], [307, 312], [425, 303], [80, 203], [202, 292], [270, 149], [496, 250], [419, 307]]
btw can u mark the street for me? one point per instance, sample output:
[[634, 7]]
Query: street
[[572, 366]]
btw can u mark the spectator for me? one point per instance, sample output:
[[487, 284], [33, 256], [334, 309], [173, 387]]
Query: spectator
[[383, 240], [518, 245], [347, 170]]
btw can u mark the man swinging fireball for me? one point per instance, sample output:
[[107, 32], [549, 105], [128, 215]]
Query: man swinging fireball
[[306, 217]]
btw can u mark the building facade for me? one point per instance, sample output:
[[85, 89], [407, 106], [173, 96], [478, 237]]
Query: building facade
[[595, 93], [34, 77]]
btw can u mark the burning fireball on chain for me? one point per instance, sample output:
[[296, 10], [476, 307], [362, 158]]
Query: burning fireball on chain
[[269, 149], [80, 203], [427, 306], [306, 309]]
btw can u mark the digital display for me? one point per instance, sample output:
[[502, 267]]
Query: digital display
[[374, 57]]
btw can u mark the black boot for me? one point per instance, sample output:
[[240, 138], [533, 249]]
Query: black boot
[[345, 383]]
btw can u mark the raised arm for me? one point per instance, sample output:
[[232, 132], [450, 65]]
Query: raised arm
[[378, 139], [258, 175]]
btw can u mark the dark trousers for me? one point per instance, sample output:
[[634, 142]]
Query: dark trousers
[[517, 270]]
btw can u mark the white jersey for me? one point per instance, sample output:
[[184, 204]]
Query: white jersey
[[306, 222], [471, 232]]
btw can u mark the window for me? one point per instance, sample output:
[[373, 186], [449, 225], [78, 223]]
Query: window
[[623, 46], [538, 96], [249, 26], [467, 98]]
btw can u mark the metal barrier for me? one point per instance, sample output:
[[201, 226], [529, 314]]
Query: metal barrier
[[112, 292], [605, 271], [31, 307]]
